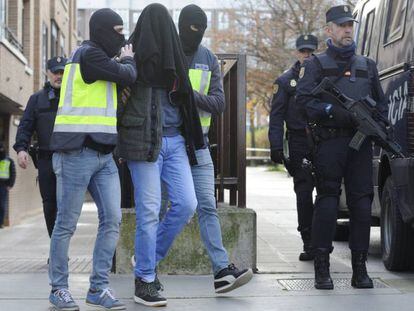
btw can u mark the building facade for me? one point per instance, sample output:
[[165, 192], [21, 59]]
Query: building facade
[[218, 15], [31, 32]]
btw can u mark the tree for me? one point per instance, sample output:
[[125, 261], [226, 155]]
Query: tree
[[266, 30]]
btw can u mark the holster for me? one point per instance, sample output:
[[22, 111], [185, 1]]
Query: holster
[[34, 153]]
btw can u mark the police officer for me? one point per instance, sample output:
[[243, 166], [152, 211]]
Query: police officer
[[7, 179], [285, 109], [333, 128], [84, 136], [205, 77], [38, 118]]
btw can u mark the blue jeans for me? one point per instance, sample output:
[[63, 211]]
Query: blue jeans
[[210, 231], [153, 239], [75, 172]]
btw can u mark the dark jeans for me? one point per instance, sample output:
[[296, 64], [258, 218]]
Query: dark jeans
[[3, 203], [302, 180], [47, 185], [334, 161]]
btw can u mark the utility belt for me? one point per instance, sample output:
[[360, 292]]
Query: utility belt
[[320, 133]]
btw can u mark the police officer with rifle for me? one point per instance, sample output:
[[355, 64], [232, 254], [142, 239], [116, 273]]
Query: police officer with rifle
[[334, 128]]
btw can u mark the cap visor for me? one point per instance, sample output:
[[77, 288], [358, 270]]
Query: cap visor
[[306, 46], [343, 20], [57, 68]]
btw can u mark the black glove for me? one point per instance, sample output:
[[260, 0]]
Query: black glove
[[343, 117], [277, 156]]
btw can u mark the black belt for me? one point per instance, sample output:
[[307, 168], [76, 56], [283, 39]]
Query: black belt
[[324, 133]]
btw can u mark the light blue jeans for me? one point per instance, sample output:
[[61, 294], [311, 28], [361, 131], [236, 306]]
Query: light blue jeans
[[208, 220], [153, 239], [210, 231], [77, 171]]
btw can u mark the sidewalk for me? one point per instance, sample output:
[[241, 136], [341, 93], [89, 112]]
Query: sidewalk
[[283, 283]]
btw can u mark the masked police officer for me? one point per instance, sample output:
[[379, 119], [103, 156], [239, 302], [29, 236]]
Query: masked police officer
[[205, 77], [333, 129], [285, 109], [39, 117]]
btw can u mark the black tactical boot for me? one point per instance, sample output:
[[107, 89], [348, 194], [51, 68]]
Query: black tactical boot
[[307, 253], [322, 277], [360, 278]]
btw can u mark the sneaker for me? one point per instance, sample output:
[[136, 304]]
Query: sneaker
[[62, 300], [104, 299], [157, 282], [148, 295], [231, 278]]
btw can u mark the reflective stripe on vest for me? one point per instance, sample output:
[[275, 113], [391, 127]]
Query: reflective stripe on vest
[[200, 81], [85, 108], [5, 169]]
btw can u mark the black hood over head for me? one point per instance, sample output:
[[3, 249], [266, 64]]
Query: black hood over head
[[102, 32], [192, 24], [158, 52]]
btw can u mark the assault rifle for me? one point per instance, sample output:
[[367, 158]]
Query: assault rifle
[[369, 119]]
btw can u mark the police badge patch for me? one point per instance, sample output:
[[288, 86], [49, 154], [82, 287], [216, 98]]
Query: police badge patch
[[275, 88], [301, 72]]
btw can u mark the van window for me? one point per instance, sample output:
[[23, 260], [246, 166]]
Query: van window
[[366, 39], [394, 29]]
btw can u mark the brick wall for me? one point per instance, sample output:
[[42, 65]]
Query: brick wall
[[21, 74]]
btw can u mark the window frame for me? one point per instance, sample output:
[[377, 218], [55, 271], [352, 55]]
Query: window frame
[[387, 21], [365, 33]]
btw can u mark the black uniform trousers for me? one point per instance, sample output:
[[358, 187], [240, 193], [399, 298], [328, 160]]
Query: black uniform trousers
[[47, 185], [302, 180], [334, 161]]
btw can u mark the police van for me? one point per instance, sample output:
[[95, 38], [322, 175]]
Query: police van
[[384, 33]]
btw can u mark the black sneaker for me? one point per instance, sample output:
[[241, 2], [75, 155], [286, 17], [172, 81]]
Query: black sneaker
[[147, 294], [231, 278]]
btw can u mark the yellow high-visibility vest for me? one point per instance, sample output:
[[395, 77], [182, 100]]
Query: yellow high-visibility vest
[[200, 81], [85, 108], [5, 169]]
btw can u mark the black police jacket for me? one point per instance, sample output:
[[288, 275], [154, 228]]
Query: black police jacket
[[356, 77], [284, 107], [39, 117]]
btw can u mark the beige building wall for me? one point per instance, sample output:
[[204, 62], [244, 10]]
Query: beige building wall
[[25, 45]]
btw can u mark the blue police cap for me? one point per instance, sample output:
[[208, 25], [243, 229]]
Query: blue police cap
[[339, 14], [307, 42], [56, 63]]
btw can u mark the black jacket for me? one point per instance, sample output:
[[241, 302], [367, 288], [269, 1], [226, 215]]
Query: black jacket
[[38, 118]]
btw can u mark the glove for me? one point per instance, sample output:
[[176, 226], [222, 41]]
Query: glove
[[343, 117], [277, 156]]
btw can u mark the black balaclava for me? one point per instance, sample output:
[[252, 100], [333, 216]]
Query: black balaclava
[[192, 24], [102, 32]]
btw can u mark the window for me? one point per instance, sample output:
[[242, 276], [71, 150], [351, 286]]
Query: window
[[3, 12], [397, 12], [62, 45], [3, 16], [223, 20], [367, 34], [45, 48], [209, 17], [54, 40]]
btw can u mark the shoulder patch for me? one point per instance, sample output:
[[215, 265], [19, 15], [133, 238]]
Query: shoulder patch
[[275, 88], [301, 72]]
